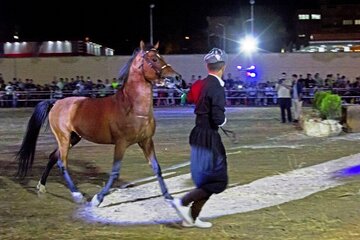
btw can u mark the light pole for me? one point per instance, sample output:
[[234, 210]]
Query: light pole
[[223, 35], [252, 2], [151, 24]]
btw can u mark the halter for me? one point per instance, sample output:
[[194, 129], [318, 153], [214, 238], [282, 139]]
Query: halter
[[157, 71]]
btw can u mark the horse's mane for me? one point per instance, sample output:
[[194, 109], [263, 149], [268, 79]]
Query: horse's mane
[[124, 71]]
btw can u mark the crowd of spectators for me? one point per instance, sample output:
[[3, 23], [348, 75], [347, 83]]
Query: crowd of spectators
[[18, 93], [248, 92]]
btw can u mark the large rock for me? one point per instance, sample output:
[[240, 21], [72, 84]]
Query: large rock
[[351, 118], [321, 128]]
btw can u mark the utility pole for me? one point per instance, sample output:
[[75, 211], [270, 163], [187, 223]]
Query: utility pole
[[223, 35], [252, 2], [151, 24]]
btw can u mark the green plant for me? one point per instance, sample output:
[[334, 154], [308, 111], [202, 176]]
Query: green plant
[[330, 107], [319, 96]]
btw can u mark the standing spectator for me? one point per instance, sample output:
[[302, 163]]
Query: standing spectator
[[2, 91], [284, 99], [229, 81], [9, 94], [310, 85], [296, 97], [170, 101], [208, 157], [269, 94], [115, 84], [319, 81]]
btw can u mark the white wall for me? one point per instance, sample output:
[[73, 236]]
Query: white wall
[[269, 66], [56, 47]]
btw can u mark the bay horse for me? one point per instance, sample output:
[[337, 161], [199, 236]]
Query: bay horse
[[122, 119]]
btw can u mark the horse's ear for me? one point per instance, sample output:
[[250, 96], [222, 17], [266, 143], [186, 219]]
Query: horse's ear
[[156, 45], [142, 45]]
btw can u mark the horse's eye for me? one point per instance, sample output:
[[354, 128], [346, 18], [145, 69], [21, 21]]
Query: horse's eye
[[155, 59]]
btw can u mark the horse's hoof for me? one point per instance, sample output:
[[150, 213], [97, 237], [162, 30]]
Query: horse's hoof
[[169, 198], [78, 197], [41, 188], [95, 202]]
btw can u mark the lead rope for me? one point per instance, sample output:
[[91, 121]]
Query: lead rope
[[231, 135]]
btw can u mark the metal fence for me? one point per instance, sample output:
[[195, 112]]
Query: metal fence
[[171, 97]]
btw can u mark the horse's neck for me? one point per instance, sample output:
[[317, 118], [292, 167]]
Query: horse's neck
[[139, 94]]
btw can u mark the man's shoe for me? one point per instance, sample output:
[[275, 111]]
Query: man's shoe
[[182, 211], [198, 223]]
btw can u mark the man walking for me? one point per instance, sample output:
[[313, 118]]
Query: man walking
[[208, 157]]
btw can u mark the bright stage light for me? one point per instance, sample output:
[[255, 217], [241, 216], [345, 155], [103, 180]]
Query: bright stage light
[[248, 44]]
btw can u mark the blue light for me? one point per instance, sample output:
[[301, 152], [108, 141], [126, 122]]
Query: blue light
[[251, 74], [350, 171]]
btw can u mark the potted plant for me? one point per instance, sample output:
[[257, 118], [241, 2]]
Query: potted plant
[[324, 120]]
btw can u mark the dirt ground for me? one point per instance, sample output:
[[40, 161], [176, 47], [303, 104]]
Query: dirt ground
[[266, 148]]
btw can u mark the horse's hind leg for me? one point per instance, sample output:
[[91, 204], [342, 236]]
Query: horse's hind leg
[[64, 145], [149, 152], [52, 160], [53, 157], [115, 172]]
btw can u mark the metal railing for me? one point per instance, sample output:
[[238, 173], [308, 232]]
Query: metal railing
[[168, 97]]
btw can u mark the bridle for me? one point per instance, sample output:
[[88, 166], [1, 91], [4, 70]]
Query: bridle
[[157, 70]]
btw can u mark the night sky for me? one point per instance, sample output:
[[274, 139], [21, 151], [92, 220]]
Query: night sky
[[122, 27]]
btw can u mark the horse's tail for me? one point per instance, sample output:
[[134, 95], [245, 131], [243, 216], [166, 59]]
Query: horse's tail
[[25, 156]]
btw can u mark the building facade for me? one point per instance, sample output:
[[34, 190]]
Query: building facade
[[53, 48], [333, 26]]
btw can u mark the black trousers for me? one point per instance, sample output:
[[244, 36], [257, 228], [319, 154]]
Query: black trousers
[[198, 197], [285, 108]]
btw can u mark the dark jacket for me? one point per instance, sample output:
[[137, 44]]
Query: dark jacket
[[299, 88], [208, 157], [210, 107]]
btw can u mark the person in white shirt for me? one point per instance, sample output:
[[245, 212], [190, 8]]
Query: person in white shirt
[[283, 88]]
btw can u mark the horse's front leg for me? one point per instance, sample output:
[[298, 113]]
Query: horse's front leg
[[148, 148], [114, 175], [76, 194]]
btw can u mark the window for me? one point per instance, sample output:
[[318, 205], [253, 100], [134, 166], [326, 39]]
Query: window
[[347, 22], [357, 21], [316, 16], [303, 16]]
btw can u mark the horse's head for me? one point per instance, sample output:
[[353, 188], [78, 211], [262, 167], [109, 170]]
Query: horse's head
[[156, 70]]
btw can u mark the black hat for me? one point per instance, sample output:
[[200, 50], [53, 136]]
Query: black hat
[[215, 55]]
